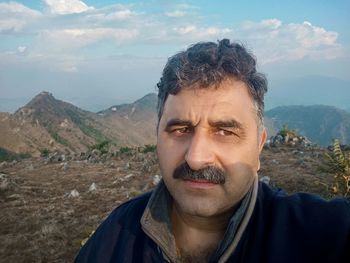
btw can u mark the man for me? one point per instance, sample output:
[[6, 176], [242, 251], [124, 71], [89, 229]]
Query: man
[[209, 207]]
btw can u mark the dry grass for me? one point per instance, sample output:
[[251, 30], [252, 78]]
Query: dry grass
[[39, 222]]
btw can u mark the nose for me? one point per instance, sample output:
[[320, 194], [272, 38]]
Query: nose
[[199, 153]]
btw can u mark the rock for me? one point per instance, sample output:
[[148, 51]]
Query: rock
[[92, 187], [63, 158], [267, 143], [74, 193], [295, 139], [30, 167], [128, 176], [65, 166], [3, 165], [286, 138], [156, 179], [13, 162], [6, 183], [265, 179], [276, 140], [96, 152]]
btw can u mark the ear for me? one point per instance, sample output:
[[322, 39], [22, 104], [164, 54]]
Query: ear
[[262, 139]]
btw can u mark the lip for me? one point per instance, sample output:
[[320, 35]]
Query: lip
[[199, 184]]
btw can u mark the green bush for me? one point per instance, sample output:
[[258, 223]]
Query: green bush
[[149, 148], [44, 152], [125, 149], [6, 155], [287, 131], [338, 163], [103, 146]]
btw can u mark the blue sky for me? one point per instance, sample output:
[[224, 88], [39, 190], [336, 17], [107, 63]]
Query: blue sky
[[98, 53]]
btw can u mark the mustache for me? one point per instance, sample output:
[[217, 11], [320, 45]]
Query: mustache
[[211, 174]]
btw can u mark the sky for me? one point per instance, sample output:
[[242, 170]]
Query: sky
[[100, 53]]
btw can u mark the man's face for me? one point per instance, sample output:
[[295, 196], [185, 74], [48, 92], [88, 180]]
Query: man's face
[[210, 127]]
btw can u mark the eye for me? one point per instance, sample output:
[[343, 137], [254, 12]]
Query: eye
[[223, 132], [181, 131]]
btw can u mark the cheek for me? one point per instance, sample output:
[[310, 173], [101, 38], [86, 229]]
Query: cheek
[[240, 159], [170, 154]]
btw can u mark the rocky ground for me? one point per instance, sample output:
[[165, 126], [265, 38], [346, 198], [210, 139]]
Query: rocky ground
[[49, 205]]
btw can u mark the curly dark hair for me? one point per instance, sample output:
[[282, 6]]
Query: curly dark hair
[[206, 64]]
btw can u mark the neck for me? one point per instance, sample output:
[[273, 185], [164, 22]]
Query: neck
[[195, 234], [214, 224]]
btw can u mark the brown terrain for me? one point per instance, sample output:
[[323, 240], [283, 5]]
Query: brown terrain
[[85, 164], [49, 205], [51, 124]]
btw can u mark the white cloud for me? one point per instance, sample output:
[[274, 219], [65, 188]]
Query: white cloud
[[17, 8], [271, 23], [185, 30], [21, 49], [194, 33], [69, 39], [121, 26], [176, 13], [63, 7], [118, 15], [121, 15], [14, 17], [274, 41]]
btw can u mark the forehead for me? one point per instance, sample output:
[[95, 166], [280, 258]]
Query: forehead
[[230, 99]]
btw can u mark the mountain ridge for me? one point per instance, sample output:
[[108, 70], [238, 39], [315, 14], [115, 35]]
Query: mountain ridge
[[320, 123], [48, 123]]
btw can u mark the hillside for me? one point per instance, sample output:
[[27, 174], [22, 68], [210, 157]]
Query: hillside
[[321, 124], [48, 123]]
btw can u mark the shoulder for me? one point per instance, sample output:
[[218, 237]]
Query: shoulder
[[118, 231], [305, 209], [129, 213], [297, 228]]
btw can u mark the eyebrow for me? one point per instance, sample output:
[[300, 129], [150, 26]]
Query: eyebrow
[[227, 124], [178, 122], [216, 124]]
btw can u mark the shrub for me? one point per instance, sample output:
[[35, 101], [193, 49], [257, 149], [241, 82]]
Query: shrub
[[149, 148], [6, 155], [44, 152], [287, 131], [125, 149], [338, 163], [103, 146]]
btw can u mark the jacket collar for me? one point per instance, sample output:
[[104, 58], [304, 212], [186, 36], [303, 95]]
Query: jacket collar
[[156, 223]]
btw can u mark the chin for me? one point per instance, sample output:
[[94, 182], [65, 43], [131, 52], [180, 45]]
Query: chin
[[201, 208]]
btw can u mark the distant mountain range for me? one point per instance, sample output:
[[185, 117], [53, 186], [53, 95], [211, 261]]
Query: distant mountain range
[[320, 123], [48, 123]]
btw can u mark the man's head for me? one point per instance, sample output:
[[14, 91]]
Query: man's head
[[210, 130], [207, 64]]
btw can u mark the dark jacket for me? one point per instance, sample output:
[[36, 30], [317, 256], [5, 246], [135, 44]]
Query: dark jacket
[[283, 228]]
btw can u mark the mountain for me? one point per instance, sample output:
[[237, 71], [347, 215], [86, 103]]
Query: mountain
[[321, 124], [48, 123], [144, 108], [309, 90]]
